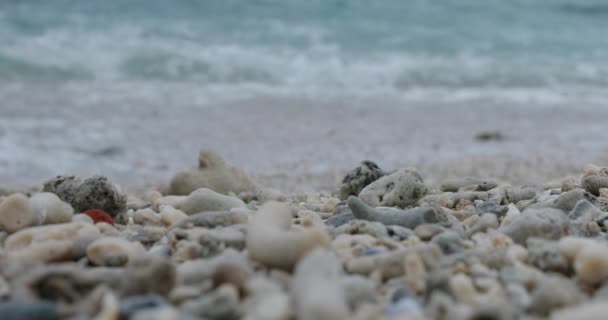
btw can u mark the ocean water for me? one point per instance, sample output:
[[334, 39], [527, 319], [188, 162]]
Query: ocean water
[[520, 51], [134, 88]]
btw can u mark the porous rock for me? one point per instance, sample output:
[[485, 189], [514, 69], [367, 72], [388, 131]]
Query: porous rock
[[95, 192], [359, 178], [402, 188]]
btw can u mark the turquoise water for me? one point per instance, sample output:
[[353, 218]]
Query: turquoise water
[[549, 51]]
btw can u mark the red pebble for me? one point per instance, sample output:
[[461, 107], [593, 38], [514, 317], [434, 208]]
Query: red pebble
[[99, 215]]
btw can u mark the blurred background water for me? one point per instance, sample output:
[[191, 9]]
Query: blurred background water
[[79, 78]]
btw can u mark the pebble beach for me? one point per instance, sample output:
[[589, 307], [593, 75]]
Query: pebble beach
[[214, 243]]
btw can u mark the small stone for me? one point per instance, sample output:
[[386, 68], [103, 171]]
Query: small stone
[[318, 293], [50, 243], [147, 217], [457, 184], [410, 218], [543, 223], [13, 310], [402, 189], [203, 199], [427, 230], [221, 304], [340, 219], [555, 292], [95, 192], [415, 273], [545, 255], [149, 275], [16, 213], [359, 178], [593, 310], [50, 209], [81, 217], [330, 205], [111, 251], [489, 207], [170, 216], [594, 183], [267, 301], [132, 305]]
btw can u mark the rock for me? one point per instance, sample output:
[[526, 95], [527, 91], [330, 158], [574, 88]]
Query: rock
[[329, 205], [13, 310], [213, 219], [16, 213], [52, 243], [95, 192], [170, 216], [415, 273], [267, 301], [399, 233], [111, 251], [317, 289], [359, 178], [555, 292], [402, 189], [545, 255], [135, 203], [493, 208], [148, 275], [196, 272], [340, 219], [81, 217], [591, 263], [147, 217], [594, 183], [449, 242], [221, 304], [515, 195], [484, 223], [213, 173], [390, 264], [593, 310], [456, 184], [567, 200], [375, 229], [272, 242], [410, 218], [426, 231], [545, 223], [358, 290], [203, 199], [50, 209], [132, 305]]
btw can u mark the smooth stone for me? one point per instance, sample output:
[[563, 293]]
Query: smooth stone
[[399, 189], [170, 216], [58, 242], [50, 209], [375, 229], [340, 219], [213, 219], [112, 251], [162, 313], [555, 292], [568, 200], [212, 173], [515, 195], [16, 213], [426, 231], [272, 241], [13, 310], [95, 192], [149, 275], [449, 242], [359, 178], [594, 183], [204, 199], [147, 217], [132, 305], [410, 218], [318, 292], [484, 223], [399, 233], [545, 255], [547, 223], [267, 300], [493, 208], [592, 310], [221, 304], [81, 217], [480, 184]]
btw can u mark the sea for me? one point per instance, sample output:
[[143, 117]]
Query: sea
[[84, 83]]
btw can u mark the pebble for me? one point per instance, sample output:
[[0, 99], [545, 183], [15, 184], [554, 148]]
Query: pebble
[[402, 188], [95, 192], [204, 199], [113, 252], [359, 178], [271, 242], [545, 223], [478, 183], [50, 209], [594, 183], [13, 310], [16, 213], [50, 243], [317, 289]]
